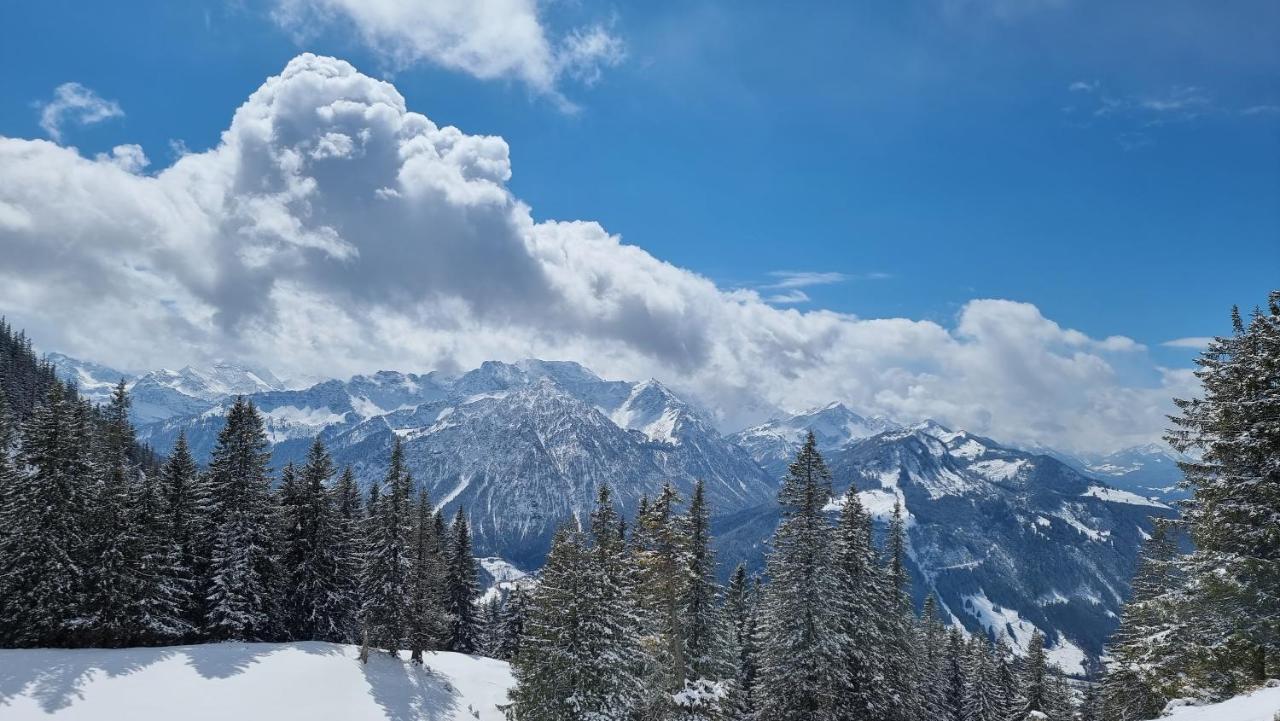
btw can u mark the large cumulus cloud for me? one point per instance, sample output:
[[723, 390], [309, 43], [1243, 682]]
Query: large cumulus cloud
[[334, 231]]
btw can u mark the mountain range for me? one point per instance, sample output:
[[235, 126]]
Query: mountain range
[[1008, 539]]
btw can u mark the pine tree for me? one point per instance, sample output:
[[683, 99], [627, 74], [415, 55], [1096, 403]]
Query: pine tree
[[112, 580], [181, 509], [662, 566], [244, 580], [461, 589], [1231, 629], [428, 622], [1006, 681], [982, 694], [932, 640], [490, 626], [862, 606], [741, 601], [349, 520], [801, 669], [315, 606], [706, 633], [40, 571], [163, 590], [1035, 679], [385, 581], [955, 680], [547, 667], [1139, 679], [902, 675], [511, 622]]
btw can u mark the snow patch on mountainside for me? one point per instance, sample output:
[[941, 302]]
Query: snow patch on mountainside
[[1009, 623], [1117, 496], [247, 681]]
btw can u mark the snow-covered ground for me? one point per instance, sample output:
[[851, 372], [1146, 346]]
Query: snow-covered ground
[[247, 682], [1261, 705]]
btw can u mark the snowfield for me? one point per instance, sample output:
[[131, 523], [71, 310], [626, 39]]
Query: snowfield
[[1261, 705], [249, 682]]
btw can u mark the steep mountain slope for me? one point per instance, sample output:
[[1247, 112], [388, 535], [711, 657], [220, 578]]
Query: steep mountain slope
[[1008, 540], [248, 681]]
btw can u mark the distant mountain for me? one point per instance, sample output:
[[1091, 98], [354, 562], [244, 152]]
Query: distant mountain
[[95, 380], [1008, 540], [522, 446], [1149, 470], [774, 444]]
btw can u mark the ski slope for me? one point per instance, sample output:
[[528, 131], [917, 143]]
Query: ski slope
[[1261, 705], [247, 682]]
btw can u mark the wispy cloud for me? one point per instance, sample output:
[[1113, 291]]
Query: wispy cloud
[[789, 297], [74, 103], [1196, 342], [806, 278]]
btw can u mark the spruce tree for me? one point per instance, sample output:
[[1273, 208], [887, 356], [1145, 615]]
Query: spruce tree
[[801, 669], [461, 589], [661, 560], [955, 680], [315, 605], [982, 694], [1035, 680], [901, 672], [1231, 616], [163, 596], [180, 488], [932, 639], [862, 606], [40, 570], [511, 622], [547, 669], [428, 621], [741, 604], [388, 564], [349, 520], [244, 580], [706, 632]]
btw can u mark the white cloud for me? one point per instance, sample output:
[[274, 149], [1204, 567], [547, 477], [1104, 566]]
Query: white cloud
[[74, 103], [488, 39], [792, 296], [400, 246], [129, 158], [804, 279], [1195, 342]]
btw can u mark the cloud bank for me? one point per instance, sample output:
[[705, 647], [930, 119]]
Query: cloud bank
[[334, 231]]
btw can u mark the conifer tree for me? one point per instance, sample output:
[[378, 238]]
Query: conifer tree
[[801, 668], [1143, 649], [1007, 686], [547, 667], [461, 589], [661, 553], [741, 601], [163, 593], [428, 623], [388, 565], [315, 605], [349, 520], [706, 633], [955, 680], [932, 636], [862, 605], [181, 508], [1231, 619], [244, 580], [982, 694], [1035, 679], [902, 675], [40, 571], [511, 622]]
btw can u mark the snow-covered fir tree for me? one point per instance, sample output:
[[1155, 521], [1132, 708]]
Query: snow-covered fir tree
[[461, 589], [511, 620], [385, 579], [428, 621], [244, 579], [860, 604], [742, 607], [802, 672], [315, 606], [348, 523], [179, 482]]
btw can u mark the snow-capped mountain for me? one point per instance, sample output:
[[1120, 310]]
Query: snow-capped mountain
[[96, 381], [1008, 540], [1149, 470], [774, 444], [523, 446]]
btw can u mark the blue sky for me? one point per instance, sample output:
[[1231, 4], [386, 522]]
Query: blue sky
[[1114, 165]]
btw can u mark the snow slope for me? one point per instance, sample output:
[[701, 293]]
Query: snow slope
[[248, 682], [1261, 705]]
